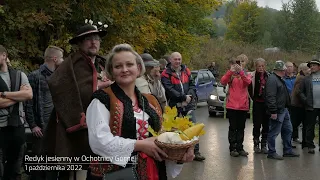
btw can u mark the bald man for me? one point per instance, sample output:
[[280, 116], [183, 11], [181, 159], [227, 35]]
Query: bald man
[[180, 90], [290, 79]]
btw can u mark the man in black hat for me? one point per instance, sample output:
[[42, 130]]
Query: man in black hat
[[71, 87], [310, 96]]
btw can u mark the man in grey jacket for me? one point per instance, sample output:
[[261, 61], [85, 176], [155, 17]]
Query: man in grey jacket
[[310, 96], [278, 101]]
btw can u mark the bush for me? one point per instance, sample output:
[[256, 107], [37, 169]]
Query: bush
[[220, 51]]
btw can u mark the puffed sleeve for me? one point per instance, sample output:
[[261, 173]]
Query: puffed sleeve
[[101, 140]]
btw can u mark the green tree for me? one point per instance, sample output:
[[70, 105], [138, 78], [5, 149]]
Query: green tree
[[160, 26], [243, 26], [305, 24]]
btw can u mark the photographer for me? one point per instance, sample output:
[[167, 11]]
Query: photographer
[[237, 103]]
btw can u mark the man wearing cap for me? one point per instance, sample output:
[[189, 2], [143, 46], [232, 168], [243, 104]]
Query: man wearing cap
[[141, 82], [151, 79], [180, 91], [310, 96], [71, 88], [277, 101]]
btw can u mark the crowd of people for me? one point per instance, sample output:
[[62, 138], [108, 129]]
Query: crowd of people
[[282, 101], [93, 106]]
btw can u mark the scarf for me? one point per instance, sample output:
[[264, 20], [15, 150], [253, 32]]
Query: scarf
[[262, 82]]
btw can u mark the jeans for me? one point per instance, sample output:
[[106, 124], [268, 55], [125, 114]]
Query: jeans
[[194, 120], [311, 117], [260, 118], [281, 124], [237, 123]]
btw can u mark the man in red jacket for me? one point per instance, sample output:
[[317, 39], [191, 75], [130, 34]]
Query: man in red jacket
[[180, 90]]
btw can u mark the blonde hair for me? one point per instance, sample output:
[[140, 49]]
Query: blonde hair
[[123, 48], [51, 51], [243, 57]]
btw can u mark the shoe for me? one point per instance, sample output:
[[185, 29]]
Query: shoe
[[294, 147], [257, 149], [243, 153], [311, 150], [234, 153], [296, 140], [292, 154], [198, 157], [264, 149], [275, 156]]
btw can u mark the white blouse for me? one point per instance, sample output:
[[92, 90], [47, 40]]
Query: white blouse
[[114, 148]]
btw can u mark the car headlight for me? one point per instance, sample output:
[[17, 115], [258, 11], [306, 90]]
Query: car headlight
[[213, 97]]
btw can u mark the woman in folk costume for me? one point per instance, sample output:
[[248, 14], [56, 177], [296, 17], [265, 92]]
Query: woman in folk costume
[[117, 120]]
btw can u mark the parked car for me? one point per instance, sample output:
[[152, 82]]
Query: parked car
[[204, 81], [216, 99]]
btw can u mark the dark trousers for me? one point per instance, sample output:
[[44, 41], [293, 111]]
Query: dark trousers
[[237, 123], [298, 116], [37, 144], [311, 117], [12, 148], [260, 118]]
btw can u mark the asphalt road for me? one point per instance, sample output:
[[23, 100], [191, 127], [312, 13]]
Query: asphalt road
[[219, 165]]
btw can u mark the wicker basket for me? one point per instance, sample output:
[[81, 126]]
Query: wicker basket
[[175, 152]]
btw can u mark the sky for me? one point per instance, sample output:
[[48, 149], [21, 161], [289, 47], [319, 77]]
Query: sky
[[277, 4]]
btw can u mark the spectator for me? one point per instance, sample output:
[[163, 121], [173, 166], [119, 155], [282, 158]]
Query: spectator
[[260, 117], [290, 77], [180, 91], [71, 87], [298, 111], [237, 104], [310, 96], [14, 89], [38, 110], [153, 78], [277, 101], [163, 64], [141, 82], [214, 70]]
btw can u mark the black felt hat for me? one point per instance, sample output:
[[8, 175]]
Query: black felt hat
[[85, 31], [314, 61]]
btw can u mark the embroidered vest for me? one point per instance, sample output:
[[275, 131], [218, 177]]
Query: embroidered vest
[[116, 110]]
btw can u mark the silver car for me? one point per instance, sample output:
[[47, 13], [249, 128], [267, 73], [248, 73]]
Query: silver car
[[216, 100]]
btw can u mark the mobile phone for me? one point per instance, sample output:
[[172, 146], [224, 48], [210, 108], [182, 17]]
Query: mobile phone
[[238, 62]]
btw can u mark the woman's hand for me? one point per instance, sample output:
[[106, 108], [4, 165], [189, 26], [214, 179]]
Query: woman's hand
[[150, 148], [233, 69], [189, 155]]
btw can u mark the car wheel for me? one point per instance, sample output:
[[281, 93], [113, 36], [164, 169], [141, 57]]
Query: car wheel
[[212, 114]]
